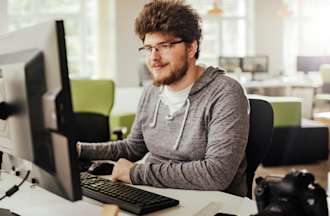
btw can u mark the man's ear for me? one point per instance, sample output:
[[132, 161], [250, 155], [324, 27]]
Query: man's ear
[[192, 49]]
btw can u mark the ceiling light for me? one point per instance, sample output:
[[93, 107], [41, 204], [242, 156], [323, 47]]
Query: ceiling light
[[215, 10], [284, 11]]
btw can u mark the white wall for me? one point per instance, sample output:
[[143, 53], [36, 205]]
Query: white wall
[[128, 58], [3, 17], [105, 19], [123, 43], [126, 100], [269, 29]]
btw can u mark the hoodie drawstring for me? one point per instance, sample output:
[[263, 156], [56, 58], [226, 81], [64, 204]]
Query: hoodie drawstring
[[154, 121], [182, 126], [153, 124]]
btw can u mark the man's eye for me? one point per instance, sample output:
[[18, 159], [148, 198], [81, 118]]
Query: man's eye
[[165, 46], [149, 49]]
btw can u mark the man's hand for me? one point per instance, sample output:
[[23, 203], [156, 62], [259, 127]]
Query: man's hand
[[121, 170], [78, 147], [110, 210]]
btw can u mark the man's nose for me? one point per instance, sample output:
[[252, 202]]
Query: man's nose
[[154, 54]]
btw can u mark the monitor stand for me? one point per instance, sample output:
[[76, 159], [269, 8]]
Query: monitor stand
[[253, 76]]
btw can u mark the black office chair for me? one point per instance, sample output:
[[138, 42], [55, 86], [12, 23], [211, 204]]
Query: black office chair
[[260, 136]]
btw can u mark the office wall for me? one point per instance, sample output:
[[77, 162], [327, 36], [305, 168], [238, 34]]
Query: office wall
[[269, 29], [124, 59], [3, 17], [127, 59], [104, 27]]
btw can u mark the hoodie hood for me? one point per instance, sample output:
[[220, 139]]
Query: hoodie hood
[[207, 77]]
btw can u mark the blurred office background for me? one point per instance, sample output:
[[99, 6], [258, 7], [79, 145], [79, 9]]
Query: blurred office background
[[282, 43], [101, 40]]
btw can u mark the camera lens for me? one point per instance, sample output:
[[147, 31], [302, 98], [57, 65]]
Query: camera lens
[[259, 191]]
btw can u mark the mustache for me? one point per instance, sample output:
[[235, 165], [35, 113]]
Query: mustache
[[157, 64]]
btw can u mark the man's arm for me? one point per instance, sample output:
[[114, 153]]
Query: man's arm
[[133, 148]]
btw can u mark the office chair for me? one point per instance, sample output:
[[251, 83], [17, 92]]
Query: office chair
[[260, 136], [92, 101]]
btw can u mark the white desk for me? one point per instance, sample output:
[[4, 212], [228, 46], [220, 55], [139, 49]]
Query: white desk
[[39, 202], [283, 83], [303, 87]]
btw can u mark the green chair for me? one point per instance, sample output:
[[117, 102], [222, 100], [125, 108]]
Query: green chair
[[287, 111], [92, 103]]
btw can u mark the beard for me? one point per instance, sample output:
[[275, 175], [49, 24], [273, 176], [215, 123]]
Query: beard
[[173, 76]]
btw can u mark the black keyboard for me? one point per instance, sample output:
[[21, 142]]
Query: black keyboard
[[126, 197]]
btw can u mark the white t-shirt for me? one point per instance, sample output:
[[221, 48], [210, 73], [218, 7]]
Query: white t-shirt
[[174, 99]]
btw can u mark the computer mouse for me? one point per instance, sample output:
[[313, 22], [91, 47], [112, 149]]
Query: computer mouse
[[223, 214], [84, 165], [101, 168]]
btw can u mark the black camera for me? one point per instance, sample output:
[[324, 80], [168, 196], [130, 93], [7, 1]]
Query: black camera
[[296, 194]]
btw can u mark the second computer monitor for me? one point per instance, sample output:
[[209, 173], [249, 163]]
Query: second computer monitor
[[255, 64], [230, 64], [311, 63]]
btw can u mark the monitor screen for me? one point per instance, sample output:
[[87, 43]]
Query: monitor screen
[[231, 64], [311, 63], [35, 96], [255, 64]]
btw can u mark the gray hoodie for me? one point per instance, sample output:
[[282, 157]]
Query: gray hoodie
[[202, 147]]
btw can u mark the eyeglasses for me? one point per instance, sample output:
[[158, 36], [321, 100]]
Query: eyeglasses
[[163, 48]]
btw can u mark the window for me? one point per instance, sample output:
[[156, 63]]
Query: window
[[79, 18], [306, 30], [225, 34]]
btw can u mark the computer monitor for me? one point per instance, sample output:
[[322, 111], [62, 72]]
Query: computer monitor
[[255, 64], [231, 64], [311, 63], [35, 95]]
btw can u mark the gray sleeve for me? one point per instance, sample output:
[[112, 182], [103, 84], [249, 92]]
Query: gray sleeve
[[228, 126], [133, 148]]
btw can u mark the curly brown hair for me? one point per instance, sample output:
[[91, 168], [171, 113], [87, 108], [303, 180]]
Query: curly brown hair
[[172, 17]]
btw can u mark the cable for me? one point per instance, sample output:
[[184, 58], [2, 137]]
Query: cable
[[1, 155], [15, 188]]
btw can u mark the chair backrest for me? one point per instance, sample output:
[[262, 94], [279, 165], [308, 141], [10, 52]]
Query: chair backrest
[[92, 103], [96, 96], [260, 136]]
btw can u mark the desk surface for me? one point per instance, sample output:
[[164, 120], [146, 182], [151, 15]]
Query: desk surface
[[37, 201], [283, 83]]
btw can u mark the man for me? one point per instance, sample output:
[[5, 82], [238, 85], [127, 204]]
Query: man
[[193, 121]]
